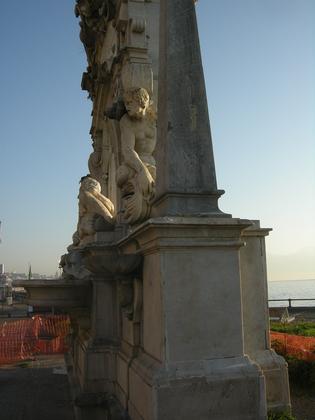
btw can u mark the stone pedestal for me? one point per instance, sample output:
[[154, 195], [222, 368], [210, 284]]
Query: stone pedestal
[[256, 318], [192, 363]]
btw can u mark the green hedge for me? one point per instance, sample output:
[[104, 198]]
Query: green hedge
[[307, 329]]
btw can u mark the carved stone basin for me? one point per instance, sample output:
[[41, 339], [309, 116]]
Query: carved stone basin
[[106, 260], [59, 293]]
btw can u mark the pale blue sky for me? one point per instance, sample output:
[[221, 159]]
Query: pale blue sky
[[259, 61]]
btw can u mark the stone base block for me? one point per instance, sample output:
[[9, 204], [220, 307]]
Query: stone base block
[[92, 405], [95, 367], [275, 370], [221, 389]]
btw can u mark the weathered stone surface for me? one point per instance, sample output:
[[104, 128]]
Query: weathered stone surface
[[59, 293], [256, 317], [193, 347], [227, 388], [186, 181], [254, 289]]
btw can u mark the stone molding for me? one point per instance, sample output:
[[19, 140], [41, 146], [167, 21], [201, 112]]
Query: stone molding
[[184, 232]]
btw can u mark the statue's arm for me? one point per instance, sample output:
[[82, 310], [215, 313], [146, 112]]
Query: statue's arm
[[128, 141], [106, 202], [94, 205]]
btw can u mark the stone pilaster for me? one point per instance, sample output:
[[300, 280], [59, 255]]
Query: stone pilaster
[[254, 288]]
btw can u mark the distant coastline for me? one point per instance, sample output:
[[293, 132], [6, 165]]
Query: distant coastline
[[275, 281], [292, 289]]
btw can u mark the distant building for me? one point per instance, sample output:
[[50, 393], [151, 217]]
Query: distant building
[[5, 286], [23, 276]]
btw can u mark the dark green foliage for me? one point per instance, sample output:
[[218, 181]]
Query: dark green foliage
[[23, 365], [307, 329], [301, 373], [280, 416]]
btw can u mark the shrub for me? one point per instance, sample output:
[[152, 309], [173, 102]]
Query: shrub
[[307, 329], [280, 416], [279, 348], [301, 373]]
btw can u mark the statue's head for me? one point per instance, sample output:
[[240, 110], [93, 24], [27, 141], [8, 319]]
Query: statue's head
[[82, 8], [90, 184], [137, 101]]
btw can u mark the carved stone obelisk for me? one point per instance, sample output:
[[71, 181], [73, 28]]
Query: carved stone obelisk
[[186, 179]]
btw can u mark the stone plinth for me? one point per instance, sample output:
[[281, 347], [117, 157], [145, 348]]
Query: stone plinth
[[192, 363], [256, 318]]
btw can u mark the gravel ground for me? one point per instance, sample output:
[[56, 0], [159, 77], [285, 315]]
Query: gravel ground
[[303, 407], [37, 391]]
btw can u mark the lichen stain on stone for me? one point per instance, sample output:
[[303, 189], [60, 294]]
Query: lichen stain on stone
[[193, 117]]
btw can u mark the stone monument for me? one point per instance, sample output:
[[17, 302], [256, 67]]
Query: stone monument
[[171, 321]]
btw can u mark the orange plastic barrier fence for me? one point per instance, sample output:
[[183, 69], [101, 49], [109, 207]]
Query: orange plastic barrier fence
[[23, 339], [294, 345]]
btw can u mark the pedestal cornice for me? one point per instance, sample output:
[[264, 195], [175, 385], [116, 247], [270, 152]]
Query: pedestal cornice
[[184, 232]]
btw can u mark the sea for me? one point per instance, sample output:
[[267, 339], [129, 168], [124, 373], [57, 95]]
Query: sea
[[292, 289]]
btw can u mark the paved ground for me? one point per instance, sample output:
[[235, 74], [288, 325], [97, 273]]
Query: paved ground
[[303, 406], [38, 391]]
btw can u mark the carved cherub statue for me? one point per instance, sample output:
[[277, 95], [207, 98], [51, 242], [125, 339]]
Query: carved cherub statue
[[136, 175], [95, 159], [96, 212]]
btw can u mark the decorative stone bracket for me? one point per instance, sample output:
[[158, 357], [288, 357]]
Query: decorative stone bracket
[[108, 264], [130, 298], [105, 260]]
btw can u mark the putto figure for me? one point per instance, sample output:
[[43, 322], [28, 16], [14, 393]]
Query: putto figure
[[95, 160], [96, 212], [136, 175]]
